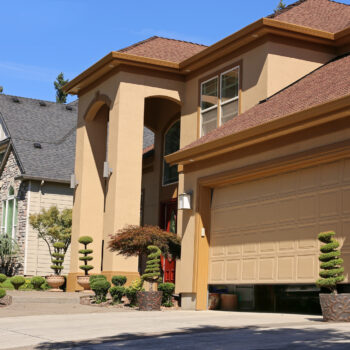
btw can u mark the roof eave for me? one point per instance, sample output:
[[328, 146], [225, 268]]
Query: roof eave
[[288, 124], [40, 178]]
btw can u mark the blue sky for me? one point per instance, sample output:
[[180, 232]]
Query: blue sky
[[41, 38]]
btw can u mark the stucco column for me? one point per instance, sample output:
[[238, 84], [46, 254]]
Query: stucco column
[[123, 198]]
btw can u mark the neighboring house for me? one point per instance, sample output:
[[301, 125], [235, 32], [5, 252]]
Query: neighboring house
[[254, 130]]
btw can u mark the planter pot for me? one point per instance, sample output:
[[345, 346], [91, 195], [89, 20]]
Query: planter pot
[[55, 282], [214, 301], [84, 281], [335, 307], [149, 301], [228, 302]]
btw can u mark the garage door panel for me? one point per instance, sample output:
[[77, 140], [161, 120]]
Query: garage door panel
[[266, 230]]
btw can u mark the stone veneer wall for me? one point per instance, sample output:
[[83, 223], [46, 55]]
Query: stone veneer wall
[[7, 179]]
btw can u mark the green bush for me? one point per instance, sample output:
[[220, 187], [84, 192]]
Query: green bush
[[100, 288], [168, 290], [85, 240], [152, 271], [119, 280], [131, 291], [94, 278], [117, 293], [3, 278], [2, 292], [17, 281], [331, 264], [37, 282]]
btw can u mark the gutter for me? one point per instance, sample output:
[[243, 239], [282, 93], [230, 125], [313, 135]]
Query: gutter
[[40, 178]]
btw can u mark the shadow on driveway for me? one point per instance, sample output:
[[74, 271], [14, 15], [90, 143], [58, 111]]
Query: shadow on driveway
[[208, 337]]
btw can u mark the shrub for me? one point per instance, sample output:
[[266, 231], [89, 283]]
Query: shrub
[[3, 278], [94, 278], [119, 280], [117, 293], [134, 241], [100, 288], [17, 281], [2, 293], [85, 240], [131, 291], [168, 290], [37, 281], [152, 271], [331, 263], [9, 250]]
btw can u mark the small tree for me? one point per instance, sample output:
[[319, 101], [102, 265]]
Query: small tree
[[1, 89], [58, 257], [61, 97], [281, 5], [53, 226], [331, 263], [134, 241], [86, 240], [152, 271]]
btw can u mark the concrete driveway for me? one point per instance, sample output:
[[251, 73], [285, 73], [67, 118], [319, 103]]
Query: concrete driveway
[[172, 330]]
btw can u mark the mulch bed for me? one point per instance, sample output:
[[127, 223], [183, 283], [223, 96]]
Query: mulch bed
[[6, 301]]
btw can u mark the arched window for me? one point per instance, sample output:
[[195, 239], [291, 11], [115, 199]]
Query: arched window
[[9, 214], [171, 145]]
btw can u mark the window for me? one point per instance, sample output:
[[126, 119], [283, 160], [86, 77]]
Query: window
[[225, 95], [171, 145], [9, 214]]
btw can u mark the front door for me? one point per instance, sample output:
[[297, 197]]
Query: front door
[[169, 219]]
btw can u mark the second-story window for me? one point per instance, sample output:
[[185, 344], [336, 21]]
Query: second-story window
[[219, 99]]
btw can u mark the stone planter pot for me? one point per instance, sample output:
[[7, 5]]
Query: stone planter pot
[[228, 302], [55, 282], [84, 281], [214, 301], [335, 307], [149, 301]]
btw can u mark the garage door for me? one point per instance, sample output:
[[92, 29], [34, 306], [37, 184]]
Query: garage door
[[265, 231]]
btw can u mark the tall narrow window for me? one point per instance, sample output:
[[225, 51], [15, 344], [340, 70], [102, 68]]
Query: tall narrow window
[[9, 214], [209, 105], [229, 95], [171, 145]]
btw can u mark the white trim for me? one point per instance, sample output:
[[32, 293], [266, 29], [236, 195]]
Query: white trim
[[27, 230], [208, 109]]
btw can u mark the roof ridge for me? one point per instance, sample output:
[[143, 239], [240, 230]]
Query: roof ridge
[[157, 37], [29, 98]]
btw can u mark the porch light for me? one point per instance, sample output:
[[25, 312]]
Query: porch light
[[185, 200]]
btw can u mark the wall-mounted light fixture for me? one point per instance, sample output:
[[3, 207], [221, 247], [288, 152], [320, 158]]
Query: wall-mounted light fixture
[[185, 200], [107, 171], [73, 181]]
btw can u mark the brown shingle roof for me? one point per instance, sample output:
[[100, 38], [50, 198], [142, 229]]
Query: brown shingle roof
[[164, 49], [327, 83], [324, 15]]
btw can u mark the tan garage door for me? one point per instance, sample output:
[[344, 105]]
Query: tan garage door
[[265, 231]]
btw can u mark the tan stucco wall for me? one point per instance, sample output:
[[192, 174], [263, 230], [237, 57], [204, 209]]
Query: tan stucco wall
[[43, 197], [186, 224]]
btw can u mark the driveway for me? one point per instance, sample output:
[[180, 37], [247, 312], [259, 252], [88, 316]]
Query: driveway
[[172, 330]]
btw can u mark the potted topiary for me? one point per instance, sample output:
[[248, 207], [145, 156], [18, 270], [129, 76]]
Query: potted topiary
[[151, 300], [84, 281], [56, 280], [335, 307]]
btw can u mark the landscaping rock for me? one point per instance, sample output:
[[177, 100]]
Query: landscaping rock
[[6, 301]]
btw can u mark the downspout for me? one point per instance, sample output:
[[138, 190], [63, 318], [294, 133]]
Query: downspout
[[27, 229]]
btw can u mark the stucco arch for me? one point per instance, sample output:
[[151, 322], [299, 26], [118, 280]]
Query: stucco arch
[[172, 99], [97, 102]]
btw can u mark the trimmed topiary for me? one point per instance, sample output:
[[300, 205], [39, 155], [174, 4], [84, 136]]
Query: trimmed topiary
[[17, 281], [119, 280], [152, 271], [2, 293], [94, 278], [37, 282], [3, 278], [58, 257], [117, 293], [100, 288], [85, 240], [331, 263], [168, 290]]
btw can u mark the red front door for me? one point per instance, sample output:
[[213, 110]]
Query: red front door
[[169, 224]]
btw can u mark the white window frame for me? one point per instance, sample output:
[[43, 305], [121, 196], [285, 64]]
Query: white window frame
[[14, 225], [209, 108], [230, 100]]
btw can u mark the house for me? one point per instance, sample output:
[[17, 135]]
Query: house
[[253, 131]]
